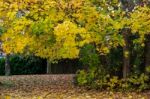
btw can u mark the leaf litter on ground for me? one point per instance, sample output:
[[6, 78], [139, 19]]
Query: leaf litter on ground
[[55, 87]]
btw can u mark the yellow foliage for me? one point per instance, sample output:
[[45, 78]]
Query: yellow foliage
[[57, 29]]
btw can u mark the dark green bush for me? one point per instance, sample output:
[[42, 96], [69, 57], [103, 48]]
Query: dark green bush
[[24, 65], [89, 56], [2, 68], [92, 68], [105, 72]]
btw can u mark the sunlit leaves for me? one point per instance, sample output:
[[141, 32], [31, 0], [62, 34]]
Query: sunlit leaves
[[66, 34], [140, 22], [58, 29]]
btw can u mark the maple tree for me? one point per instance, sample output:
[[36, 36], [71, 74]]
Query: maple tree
[[45, 28]]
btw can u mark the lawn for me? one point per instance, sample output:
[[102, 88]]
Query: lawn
[[55, 87]]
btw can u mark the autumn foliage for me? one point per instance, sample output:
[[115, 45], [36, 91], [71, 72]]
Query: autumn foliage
[[60, 29]]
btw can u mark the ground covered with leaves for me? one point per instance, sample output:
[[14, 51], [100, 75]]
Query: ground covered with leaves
[[55, 87]]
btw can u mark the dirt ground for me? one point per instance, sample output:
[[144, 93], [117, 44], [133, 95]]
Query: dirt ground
[[55, 87]]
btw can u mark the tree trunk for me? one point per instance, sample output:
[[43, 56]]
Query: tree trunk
[[7, 65], [49, 67], [147, 51], [126, 54]]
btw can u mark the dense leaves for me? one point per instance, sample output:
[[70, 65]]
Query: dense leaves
[[24, 65], [57, 29]]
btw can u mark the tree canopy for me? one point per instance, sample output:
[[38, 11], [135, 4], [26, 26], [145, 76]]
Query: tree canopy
[[56, 29]]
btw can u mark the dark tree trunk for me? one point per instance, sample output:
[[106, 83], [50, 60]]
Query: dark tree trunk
[[126, 54], [147, 51], [7, 65], [49, 67], [127, 6]]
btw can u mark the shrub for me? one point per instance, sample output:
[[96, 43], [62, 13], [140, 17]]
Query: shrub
[[107, 82], [103, 76], [2, 68], [24, 65], [27, 65], [81, 77]]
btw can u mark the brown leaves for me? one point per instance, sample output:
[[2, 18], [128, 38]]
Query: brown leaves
[[54, 87]]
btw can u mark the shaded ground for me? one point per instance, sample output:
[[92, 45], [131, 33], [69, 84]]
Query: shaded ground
[[54, 87]]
